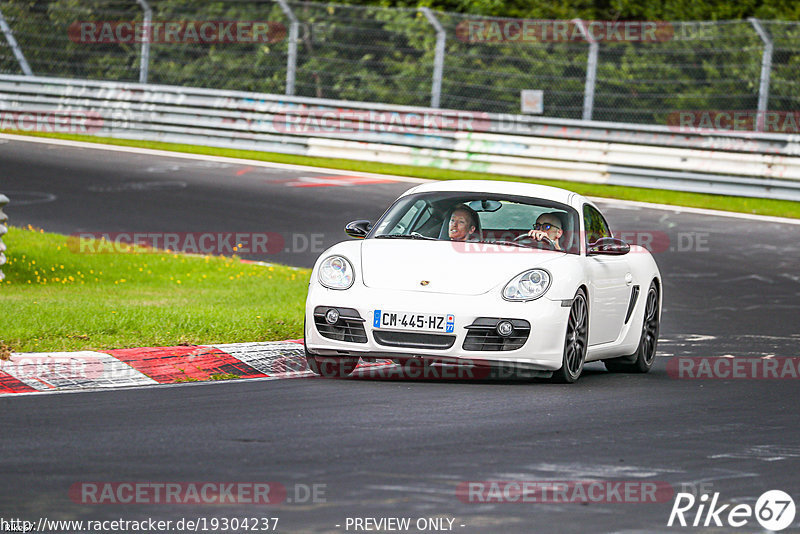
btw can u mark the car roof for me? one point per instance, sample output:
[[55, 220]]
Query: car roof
[[501, 187]]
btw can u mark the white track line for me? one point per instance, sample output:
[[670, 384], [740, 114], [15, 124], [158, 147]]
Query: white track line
[[205, 157], [698, 211]]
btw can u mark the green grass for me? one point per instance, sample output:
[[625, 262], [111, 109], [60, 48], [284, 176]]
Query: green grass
[[55, 298], [780, 208]]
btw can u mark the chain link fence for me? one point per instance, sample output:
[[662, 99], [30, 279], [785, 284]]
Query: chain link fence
[[413, 57]]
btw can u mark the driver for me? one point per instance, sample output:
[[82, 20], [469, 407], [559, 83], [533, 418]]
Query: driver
[[548, 225], [463, 223]]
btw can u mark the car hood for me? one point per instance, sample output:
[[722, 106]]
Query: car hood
[[446, 266]]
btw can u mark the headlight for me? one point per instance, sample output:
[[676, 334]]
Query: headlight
[[336, 273], [529, 285]]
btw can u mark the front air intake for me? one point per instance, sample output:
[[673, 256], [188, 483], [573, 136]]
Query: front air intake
[[349, 327], [483, 335]]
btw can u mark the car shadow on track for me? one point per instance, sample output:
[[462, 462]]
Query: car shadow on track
[[386, 371]]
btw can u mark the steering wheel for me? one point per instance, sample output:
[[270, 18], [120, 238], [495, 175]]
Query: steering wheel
[[536, 242]]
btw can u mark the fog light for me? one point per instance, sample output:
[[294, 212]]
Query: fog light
[[332, 316], [505, 328]]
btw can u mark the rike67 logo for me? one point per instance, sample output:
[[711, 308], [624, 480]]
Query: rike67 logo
[[774, 510]]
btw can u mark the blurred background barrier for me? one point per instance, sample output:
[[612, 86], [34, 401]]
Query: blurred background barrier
[[667, 157], [3, 230], [641, 72]]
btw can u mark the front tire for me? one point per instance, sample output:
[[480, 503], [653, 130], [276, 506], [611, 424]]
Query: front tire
[[332, 366], [329, 366], [575, 341], [644, 357]]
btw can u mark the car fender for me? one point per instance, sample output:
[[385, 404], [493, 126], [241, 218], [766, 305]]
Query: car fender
[[567, 275]]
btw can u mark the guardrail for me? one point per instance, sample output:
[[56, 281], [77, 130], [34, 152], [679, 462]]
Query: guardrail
[[722, 162], [3, 230]]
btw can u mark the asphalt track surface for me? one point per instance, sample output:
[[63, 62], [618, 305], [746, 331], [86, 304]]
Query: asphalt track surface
[[386, 447]]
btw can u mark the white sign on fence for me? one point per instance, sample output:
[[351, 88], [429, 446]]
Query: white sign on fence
[[532, 101]]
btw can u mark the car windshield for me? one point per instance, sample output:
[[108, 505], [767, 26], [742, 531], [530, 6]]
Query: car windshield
[[488, 218]]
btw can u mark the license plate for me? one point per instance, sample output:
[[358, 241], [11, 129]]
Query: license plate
[[419, 322]]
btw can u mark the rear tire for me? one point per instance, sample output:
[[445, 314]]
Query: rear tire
[[642, 360], [575, 341]]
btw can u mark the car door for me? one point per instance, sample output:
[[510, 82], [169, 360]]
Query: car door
[[609, 282]]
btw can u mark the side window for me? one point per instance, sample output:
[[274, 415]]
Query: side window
[[422, 222], [594, 224], [402, 226]]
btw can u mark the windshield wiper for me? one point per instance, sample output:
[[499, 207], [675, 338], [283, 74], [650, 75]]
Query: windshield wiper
[[405, 236], [509, 243]]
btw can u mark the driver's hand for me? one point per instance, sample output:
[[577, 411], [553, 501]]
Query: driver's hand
[[538, 235]]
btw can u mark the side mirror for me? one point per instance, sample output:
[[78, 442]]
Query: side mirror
[[608, 246], [358, 229]]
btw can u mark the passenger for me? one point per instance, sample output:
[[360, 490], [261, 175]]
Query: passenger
[[463, 224]]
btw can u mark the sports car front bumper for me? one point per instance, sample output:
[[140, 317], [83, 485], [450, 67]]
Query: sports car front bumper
[[543, 348]]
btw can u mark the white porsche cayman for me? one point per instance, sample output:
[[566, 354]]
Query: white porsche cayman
[[485, 273]]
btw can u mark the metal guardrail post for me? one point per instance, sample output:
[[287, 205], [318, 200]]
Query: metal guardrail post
[[766, 69], [438, 61], [3, 230], [591, 71], [291, 61], [144, 61], [12, 42]]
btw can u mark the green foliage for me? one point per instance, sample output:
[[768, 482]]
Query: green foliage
[[676, 10], [368, 52]]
